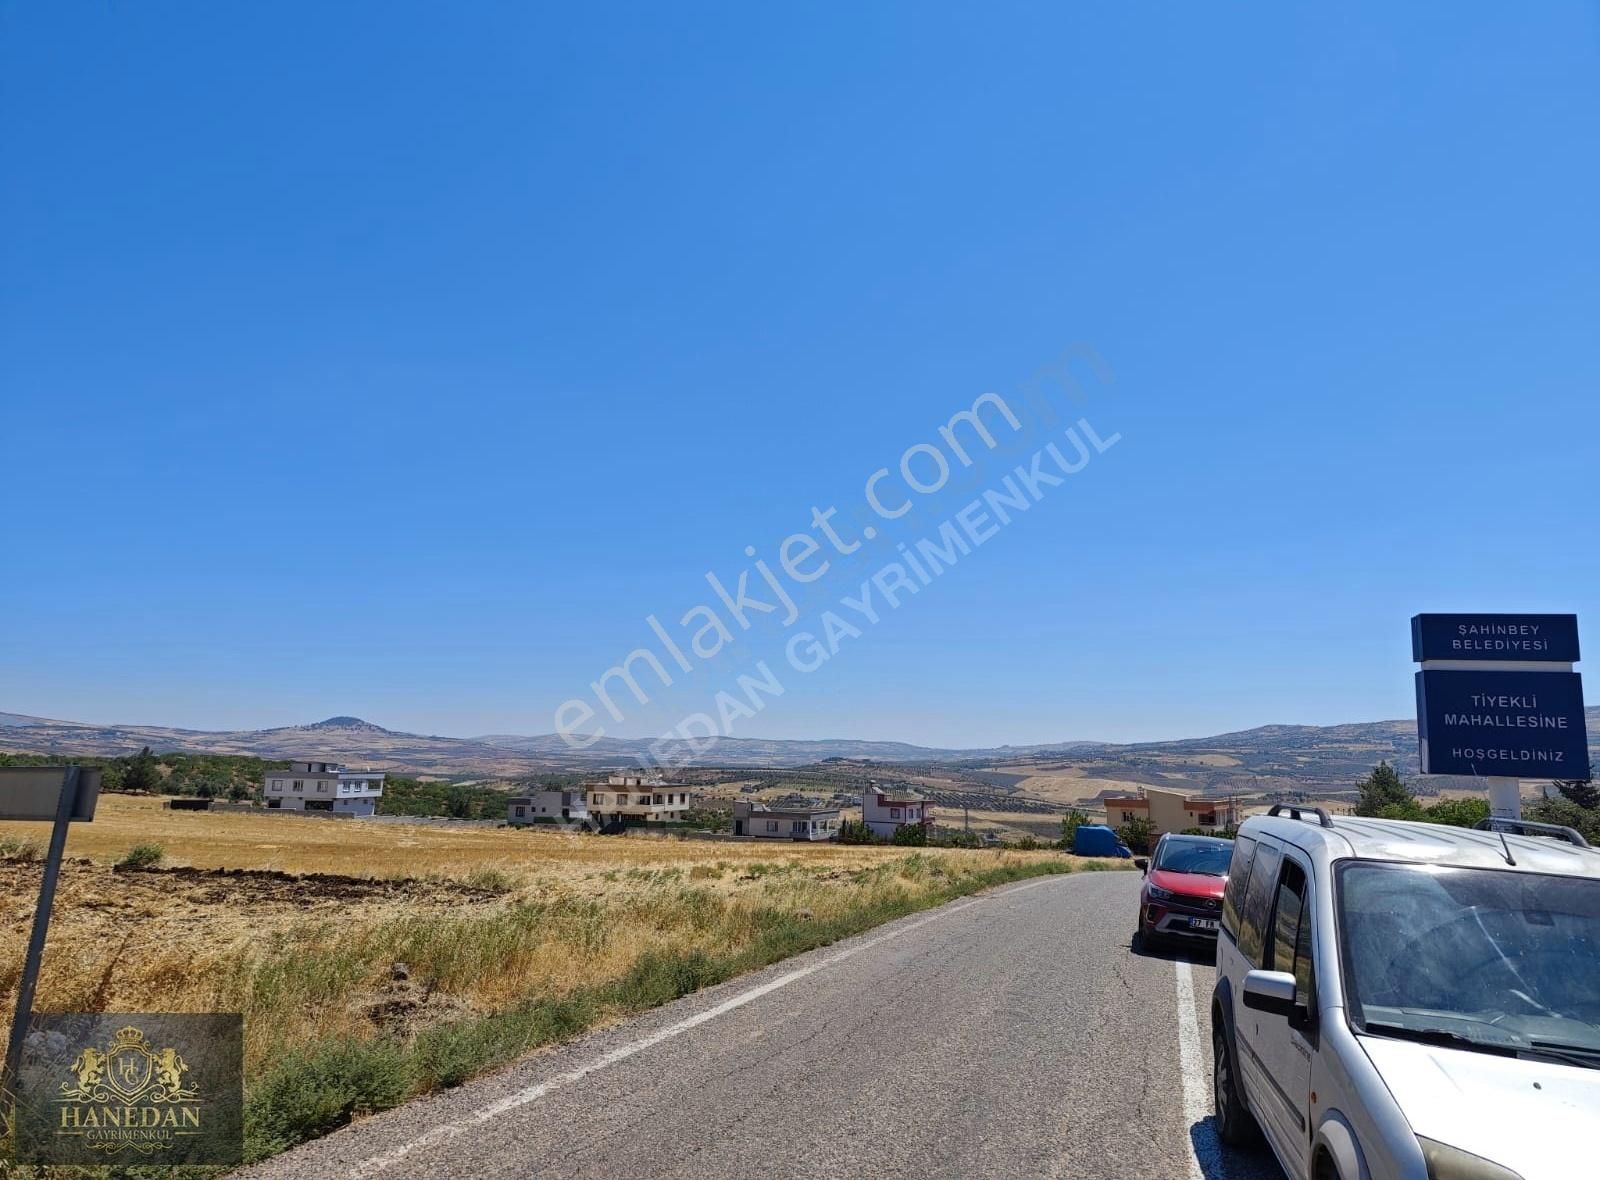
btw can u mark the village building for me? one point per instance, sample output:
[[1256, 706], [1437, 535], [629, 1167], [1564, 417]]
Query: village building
[[635, 799], [323, 786], [1171, 811], [552, 805], [888, 809], [785, 821]]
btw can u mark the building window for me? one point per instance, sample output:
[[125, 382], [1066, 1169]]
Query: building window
[[522, 811], [894, 813], [772, 825], [299, 784]]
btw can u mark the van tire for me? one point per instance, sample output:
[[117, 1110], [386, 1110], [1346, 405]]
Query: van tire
[[1236, 1126]]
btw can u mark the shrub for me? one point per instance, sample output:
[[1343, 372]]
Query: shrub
[[1584, 820], [856, 831], [142, 856], [910, 836], [659, 977], [489, 879], [310, 1092], [449, 1054], [20, 849], [1461, 813], [1139, 834], [1070, 823]]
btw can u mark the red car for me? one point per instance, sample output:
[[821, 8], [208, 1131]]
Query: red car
[[1182, 894]]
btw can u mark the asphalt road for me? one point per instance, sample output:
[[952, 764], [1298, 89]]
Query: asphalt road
[[1013, 1034]]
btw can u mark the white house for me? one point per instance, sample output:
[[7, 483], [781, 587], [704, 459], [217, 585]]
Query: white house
[[323, 786], [886, 809], [632, 798], [548, 806], [767, 822]]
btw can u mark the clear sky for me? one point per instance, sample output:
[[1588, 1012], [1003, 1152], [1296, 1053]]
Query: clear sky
[[400, 359]]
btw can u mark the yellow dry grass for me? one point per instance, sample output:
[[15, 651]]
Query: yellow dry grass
[[482, 917]]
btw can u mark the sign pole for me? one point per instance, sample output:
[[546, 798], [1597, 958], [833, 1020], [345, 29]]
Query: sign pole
[[1505, 798], [41, 925]]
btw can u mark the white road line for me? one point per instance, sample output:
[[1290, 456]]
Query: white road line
[[1205, 1150], [448, 1131]]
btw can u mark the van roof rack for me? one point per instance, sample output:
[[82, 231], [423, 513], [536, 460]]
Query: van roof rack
[[1293, 810], [1526, 827]]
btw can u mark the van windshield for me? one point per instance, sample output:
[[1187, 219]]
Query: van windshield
[[1483, 959]]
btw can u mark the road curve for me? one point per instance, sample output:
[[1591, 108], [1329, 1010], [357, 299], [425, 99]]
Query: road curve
[[1011, 1034]]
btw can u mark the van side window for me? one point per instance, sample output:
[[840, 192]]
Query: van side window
[[1258, 902], [1244, 851], [1291, 933]]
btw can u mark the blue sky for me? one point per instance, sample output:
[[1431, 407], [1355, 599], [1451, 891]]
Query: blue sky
[[399, 360]]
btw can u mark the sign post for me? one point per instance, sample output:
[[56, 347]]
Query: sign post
[[1497, 699], [65, 795]]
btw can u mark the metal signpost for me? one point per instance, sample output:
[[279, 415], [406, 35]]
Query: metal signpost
[[1497, 699], [65, 795]]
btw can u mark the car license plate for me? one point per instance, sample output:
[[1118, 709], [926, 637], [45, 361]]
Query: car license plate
[[1202, 923]]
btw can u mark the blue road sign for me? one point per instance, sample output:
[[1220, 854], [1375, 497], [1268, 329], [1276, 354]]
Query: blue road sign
[[1502, 724], [1551, 639]]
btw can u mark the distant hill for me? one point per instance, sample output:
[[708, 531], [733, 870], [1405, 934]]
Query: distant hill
[[1271, 757]]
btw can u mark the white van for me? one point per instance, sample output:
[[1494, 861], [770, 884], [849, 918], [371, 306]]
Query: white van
[[1410, 1000]]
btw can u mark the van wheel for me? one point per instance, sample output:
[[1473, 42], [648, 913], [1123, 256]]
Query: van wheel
[[1236, 1126]]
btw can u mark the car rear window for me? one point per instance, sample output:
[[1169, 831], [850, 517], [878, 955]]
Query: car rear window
[[1244, 851], [1258, 901]]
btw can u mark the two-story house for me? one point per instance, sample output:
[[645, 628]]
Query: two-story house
[[323, 786], [635, 799], [1170, 811], [887, 809]]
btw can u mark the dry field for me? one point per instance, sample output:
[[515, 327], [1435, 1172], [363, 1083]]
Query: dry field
[[1067, 787], [508, 939]]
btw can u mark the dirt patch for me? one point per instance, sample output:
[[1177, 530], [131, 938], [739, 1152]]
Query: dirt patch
[[261, 897], [217, 886]]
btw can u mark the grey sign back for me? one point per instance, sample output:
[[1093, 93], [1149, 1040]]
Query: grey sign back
[[32, 792]]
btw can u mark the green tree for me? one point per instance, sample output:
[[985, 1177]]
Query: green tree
[[458, 803], [1385, 789], [1139, 834], [1070, 823], [1584, 820], [1581, 791], [855, 831], [141, 773], [910, 836]]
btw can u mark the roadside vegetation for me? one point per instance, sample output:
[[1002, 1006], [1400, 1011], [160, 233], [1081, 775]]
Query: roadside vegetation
[[1576, 804], [376, 962]]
